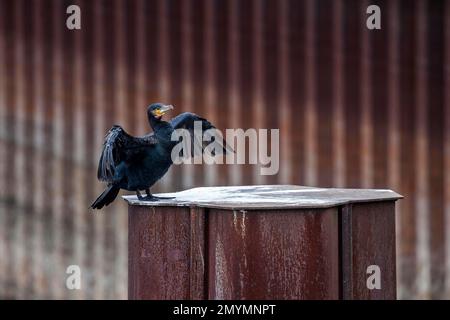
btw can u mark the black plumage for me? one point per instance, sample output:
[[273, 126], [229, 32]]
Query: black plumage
[[137, 163]]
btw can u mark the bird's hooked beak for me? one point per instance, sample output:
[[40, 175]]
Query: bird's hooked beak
[[161, 111]]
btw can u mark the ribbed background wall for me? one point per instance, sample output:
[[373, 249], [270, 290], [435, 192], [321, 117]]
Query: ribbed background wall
[[355, 108]]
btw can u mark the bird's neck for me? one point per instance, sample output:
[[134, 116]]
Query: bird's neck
[[154, 122], [157, 124]]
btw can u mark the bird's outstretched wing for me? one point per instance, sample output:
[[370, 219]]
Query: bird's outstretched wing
[[187, 121], [120, 146]]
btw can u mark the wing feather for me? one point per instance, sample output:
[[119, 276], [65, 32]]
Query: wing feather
[[119, 146], [187, 121]]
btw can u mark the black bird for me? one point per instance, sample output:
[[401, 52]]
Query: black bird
[[137, 163]]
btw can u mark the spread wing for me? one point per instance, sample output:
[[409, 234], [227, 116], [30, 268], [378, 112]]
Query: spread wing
[[188, 120], [120, 146]]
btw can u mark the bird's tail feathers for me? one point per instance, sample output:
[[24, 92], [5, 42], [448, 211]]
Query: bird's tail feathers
[[106, 197]]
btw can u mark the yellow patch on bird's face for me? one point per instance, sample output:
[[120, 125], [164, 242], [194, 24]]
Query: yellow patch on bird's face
[[158, 112]]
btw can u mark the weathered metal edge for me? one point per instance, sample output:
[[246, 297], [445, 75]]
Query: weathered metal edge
[[132, 200]]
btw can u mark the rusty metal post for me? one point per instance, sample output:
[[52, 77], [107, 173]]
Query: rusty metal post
[[264, 242], [368, 239]]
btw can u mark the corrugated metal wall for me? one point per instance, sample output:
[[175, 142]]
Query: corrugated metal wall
[[355, 108]]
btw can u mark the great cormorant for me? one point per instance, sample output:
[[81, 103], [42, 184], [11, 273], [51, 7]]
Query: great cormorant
[[137, 163]]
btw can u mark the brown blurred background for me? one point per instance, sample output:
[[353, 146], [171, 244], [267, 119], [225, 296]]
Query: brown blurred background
[[355, 108]]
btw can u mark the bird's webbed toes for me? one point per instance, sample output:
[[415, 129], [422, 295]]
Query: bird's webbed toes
[[155, 198], [164, 198], [149, 198]]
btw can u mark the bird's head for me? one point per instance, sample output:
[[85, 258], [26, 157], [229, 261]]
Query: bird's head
[[157, 110]]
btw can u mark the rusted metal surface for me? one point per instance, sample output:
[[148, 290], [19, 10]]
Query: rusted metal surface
[[275, 254], [197, 246], [195, 250], [166, 257], [355, 108], [368, 238], [159, 253]]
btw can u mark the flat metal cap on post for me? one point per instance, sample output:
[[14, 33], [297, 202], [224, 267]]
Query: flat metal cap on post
[[268, 197]]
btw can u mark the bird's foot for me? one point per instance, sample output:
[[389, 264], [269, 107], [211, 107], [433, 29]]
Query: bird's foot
[[155, 198], [150, 197], [163, 198]]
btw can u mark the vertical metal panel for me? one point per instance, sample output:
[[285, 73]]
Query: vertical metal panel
[[159, 257], [110, 241], [235, 98], [362, 107], [57, 90], [214, 28], [187, 70], [258, 68], [67, 147], [10, 219], [19, 157], [80, 147], [271, 88], [379, 112], [393, 107], [421, 200], [29, 156], [163, 81], [323, 95], [123, 111], [275, 254], [338, 123], [435, 132], [197, 254], [199, 15], [447, 143], [284, 101], [38, 135], [352, 92], [366, 127], [407, 150], [368, 239], [297, 56], [99, 96], [174, 70], [87, 223], [138, 16], [246, 84], [3, 151], [310, 120]]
